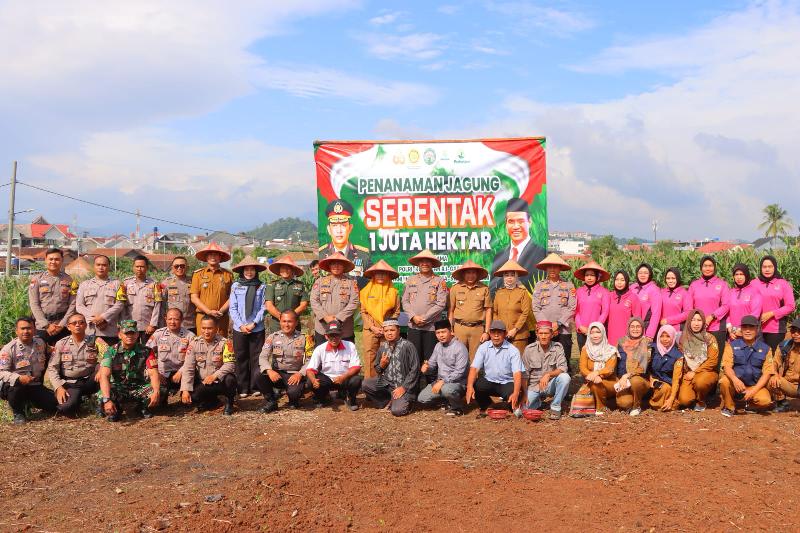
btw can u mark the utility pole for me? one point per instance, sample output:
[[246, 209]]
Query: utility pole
[[138, 220], [655, 231], [10, 233]]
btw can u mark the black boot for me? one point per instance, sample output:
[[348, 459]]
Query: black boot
[[228, 411], [144, 411], [19, 418], [268, 407]]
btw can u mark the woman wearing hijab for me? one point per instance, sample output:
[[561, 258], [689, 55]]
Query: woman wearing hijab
[[624, 305], [700, 355], [512, 304], [597, 364], [593, 300], [634, 357], [711, 295], [777, 301], [379, 302], [247, 314], [666, 365], [649, 297], [745, 299], [674, 299]]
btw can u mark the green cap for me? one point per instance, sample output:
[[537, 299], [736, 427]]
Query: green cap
[[128, 326]]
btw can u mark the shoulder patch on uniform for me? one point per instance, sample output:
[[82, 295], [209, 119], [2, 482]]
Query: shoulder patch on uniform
[[361, 248], [322, 247]]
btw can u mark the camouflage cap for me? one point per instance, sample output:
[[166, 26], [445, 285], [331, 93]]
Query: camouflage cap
[[128, 326]]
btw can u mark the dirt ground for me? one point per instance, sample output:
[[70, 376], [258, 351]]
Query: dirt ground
[[336, 470]]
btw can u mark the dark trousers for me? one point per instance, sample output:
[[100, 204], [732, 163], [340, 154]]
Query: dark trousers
[[722, 338], [566, 342], [267, 386], [380, 393], [143, 337], [51, 339], [76, 392], [247, 348], [111, 341], [36, 394], [581, 342], [320, 339], [209, 393], [423, 341], [350, 387], [773, 339], [484, 389]]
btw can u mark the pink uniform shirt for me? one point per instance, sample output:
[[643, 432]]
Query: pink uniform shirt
[[675, 306], [776, 296], [650, 301], [621, 309], [743, 302], [592, 305], [711, 297]]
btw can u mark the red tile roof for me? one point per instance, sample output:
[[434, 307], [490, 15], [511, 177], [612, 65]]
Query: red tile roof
[[720, 246]]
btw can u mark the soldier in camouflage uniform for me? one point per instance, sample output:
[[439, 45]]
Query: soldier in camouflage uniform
[[288, 293], [128, 374], [339, 229]]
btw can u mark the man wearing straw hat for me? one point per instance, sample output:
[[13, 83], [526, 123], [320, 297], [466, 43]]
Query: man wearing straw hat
[[424, 300], [554, 301], [470, 306], [287, 293], [211, 286], [379, 301], [334, 297], [512, 303]]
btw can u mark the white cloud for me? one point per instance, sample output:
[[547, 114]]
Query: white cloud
[[386, 18], [532, 18], [414, 46], [448, 9]]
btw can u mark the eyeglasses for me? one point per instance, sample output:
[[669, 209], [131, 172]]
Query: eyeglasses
[[81, 323], [178, 266]]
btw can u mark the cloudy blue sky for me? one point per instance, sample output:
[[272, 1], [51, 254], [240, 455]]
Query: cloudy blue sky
[[205, 111]]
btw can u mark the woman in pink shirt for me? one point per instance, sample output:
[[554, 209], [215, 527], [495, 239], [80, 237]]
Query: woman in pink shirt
[[777, 301], [624, 305], [592, 299], [745, 299], [650, 299], [710, 294], [674, 300]]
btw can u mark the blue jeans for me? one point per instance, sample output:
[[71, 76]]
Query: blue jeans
[[453, 393], [557, 388]]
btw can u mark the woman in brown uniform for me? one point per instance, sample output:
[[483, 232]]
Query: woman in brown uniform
[[634, 357], [700, 356], [597, 363], [512, 304]]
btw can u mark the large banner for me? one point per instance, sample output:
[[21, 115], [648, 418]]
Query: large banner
[[484, 200]]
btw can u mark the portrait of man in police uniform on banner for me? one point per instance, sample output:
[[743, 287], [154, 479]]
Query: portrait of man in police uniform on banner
[[339, 228]]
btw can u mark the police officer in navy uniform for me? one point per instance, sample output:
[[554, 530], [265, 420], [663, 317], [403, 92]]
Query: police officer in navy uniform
[[339, 229]]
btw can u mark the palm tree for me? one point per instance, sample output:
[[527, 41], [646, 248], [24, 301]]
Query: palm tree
[[776, 221]]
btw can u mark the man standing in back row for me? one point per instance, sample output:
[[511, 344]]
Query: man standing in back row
[[176, 293], [424, 300], [51, 296], [142, 297], [211, 287], [97, 301]]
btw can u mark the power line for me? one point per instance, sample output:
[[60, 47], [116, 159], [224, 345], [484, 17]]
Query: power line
[[124, 211]]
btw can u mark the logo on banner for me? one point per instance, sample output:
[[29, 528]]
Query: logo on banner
[[429, 156], [413, 157]]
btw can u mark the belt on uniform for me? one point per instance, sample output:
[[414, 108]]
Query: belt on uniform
[[468, 324], [54, 316]]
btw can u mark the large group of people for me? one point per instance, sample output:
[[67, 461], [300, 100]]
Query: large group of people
[[221, 335]]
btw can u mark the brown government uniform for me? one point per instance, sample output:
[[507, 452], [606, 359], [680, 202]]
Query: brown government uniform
[[513, 307], [336, 296], [143, 301], [51, 299], [605, 389], [787, 370], [213, 287], [170, 349], [204, 359], [99, 297], [175, 294], [469, 305], [762, 399]]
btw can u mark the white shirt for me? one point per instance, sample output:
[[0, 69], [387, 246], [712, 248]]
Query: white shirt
[[334, 363], [521, 246]]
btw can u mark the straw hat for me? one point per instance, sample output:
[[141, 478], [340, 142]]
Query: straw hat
[[275, 267], [511, 266], [553, 260], [602, 273], [381, 266], [325, 264], [249, 261], [425, 254], [458, 273], [202, 255]]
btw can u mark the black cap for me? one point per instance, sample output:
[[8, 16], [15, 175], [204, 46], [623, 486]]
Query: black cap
[[339, 211], [442, 324], [796, 323], [497, 325], [750, 320], [333, 328]]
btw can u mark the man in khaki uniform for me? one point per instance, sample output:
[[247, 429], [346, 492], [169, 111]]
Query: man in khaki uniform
[[175, 293], [142, 297], [281, 364], [554, 300], [512, 303], [424, 300], [97, 301], [470, 306], [334, 297], [211, 286], [287, 293], [747, 366], [51, 296], [170, 345], [208, 370], [73, 365], [786, 380]]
